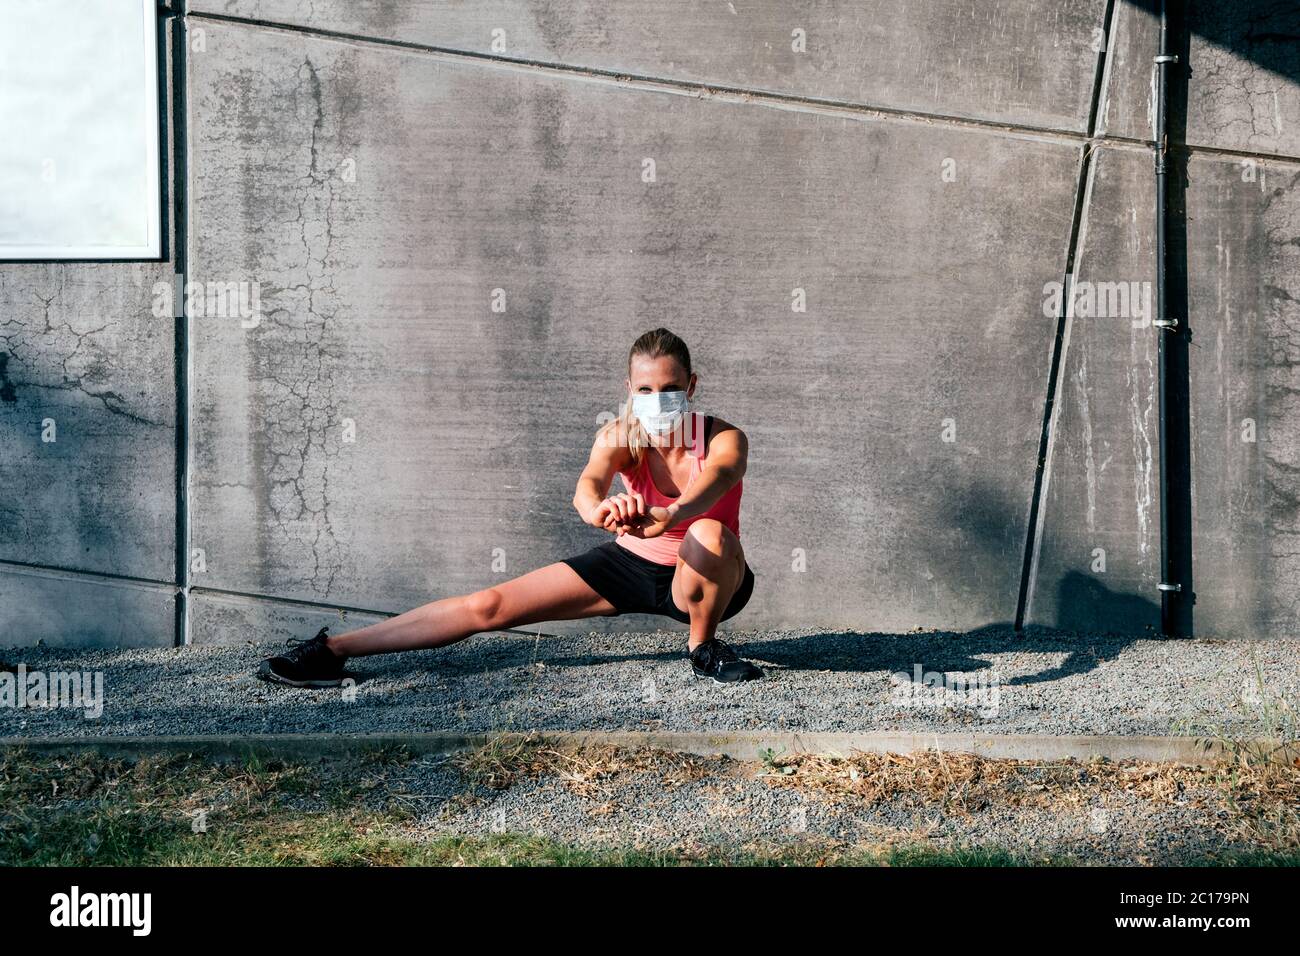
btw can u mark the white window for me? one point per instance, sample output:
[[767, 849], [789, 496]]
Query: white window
[[79, 130]]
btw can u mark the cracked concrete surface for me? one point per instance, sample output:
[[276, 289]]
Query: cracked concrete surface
[[299, 406], [291, 415], [1242, 91], [87, 411]]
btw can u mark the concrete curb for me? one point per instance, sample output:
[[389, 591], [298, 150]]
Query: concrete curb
[[741, 745]]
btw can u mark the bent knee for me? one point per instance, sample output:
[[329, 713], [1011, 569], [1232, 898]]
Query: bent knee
[[715, 536], [484, 608]]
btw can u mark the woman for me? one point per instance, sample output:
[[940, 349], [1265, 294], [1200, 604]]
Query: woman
[[676, 549]]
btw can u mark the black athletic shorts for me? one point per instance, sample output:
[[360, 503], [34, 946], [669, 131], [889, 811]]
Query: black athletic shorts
[[635, 585]]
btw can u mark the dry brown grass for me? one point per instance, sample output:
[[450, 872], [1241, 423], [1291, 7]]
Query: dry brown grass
[[1247, 798], [1261, 795], [585, 770], [965, 783], [958, 782]]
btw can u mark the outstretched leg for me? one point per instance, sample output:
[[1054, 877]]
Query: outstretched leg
[[710, 568], [552, 593]]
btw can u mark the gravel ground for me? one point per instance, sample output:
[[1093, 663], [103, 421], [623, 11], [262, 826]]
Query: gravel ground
[[1046, 683]]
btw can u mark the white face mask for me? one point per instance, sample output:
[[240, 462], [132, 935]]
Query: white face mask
[[658, 412]]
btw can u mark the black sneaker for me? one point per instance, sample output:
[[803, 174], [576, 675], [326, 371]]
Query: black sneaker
[[305, 664], [714, 659]]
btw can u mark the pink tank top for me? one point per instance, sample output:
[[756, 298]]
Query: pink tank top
[[663, 549]]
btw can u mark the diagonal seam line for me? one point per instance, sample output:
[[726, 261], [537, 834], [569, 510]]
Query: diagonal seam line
[[703, 88], [763, 98], [1029, 559]]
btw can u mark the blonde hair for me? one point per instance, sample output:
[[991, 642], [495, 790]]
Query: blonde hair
[[657, 343]]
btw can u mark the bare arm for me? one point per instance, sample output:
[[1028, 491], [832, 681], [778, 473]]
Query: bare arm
[[728, 457], [727, 460], [608, 457]]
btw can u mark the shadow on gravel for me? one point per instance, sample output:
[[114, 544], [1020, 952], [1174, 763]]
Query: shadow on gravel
[[1112, 616], [941, 651]]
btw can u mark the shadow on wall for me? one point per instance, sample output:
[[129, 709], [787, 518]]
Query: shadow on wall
[[1264, 32], [994, 537], [1083, 602]]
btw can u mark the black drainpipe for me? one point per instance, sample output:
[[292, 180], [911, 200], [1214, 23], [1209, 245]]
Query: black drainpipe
[[173, 12], [1176, 597]]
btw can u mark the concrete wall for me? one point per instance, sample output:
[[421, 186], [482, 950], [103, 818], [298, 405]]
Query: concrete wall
[[381, 436]]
